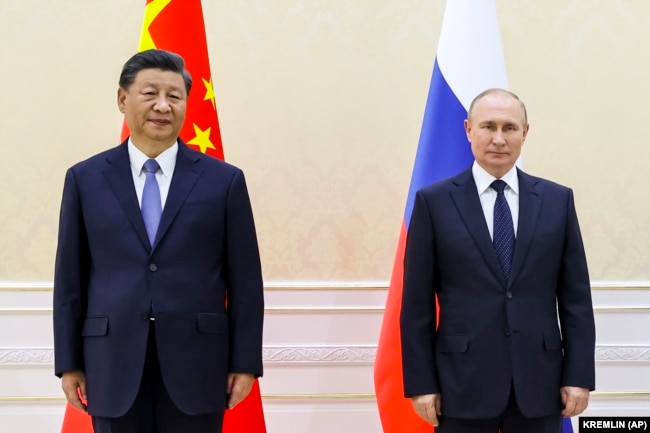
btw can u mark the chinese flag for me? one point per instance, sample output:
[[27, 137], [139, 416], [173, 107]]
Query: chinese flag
[[177, 25]]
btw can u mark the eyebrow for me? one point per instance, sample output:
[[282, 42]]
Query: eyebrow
[[492, 122], [154, 84]]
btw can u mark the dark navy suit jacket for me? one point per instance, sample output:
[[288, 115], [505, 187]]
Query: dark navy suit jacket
[[534, 332], [109, 280]]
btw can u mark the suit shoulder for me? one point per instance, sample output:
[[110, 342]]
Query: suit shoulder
[[545, 183], [217, 165], [100, 158], [212, 165], [446, 184]]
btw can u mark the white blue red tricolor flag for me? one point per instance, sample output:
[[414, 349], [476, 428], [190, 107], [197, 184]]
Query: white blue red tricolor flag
[[469, 60]]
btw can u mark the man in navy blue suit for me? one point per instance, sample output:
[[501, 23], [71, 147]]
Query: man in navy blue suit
[[510, 345], [157, 314]]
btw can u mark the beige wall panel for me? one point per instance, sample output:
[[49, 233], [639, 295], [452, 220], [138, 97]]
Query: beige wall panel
[[582, 68], [321, 104]]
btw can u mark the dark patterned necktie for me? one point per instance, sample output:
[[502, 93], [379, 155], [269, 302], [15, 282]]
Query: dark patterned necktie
[[503, 237], [151, 203]]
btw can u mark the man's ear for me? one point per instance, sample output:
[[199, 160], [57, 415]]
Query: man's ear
[[121, 97], [526, 128]]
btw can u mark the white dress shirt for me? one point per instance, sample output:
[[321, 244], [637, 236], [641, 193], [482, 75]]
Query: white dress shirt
[[167, 163], [488, 196]]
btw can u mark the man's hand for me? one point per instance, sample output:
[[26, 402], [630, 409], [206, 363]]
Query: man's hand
[[239, 385], [575, 400], [428, 407], [74, 387]]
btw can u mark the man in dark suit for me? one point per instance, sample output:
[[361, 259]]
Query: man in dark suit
[[158, 299], [510, 345]]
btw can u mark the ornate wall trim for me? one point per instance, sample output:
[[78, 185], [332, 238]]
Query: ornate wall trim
[[620, 285], [364, 355], [46, 286], [315, 355], [26, 356], [339, 309], [320, 396], [272, 355], [623, 353], [267, 310]]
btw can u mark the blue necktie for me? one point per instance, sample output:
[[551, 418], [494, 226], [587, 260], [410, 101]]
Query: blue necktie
[[503, 237], [151, 204]]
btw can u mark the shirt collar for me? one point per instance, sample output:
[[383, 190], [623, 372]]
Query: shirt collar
[[483, 179], [166, 160]]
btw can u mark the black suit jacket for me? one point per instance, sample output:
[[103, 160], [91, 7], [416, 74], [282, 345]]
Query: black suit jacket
[[109, 280], [534, 331]]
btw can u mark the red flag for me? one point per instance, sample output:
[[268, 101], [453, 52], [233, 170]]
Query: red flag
[[395, 411], [76, 421], [177, 25]]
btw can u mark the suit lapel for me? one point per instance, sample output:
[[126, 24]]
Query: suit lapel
[[119, 177], [530, 200], [185, 176], [465, 197]]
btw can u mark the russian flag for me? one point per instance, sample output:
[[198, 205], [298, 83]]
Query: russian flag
[[469, 60]]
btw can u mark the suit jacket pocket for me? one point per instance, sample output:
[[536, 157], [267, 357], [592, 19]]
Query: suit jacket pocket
[[552, 341], [210, 323], [452, 343], [95, 327]]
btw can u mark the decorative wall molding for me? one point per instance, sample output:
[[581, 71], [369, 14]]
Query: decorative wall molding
[[620, 285], [324, 310], [275, 355], [267, 310], [273, 286], [315, 355], [266, 397], [364, 355], [26, 356], [30, 310], [46, 286], [623, 353], [10, 286], [624, 395]]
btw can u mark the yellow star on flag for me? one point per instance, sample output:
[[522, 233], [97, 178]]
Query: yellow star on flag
[[209, 92], [202, 139], [151, 11]]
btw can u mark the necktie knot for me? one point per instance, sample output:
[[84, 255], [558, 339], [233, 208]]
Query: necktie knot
[[499, 186], [151, 166]]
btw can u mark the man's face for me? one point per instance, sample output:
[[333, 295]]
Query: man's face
[[154, 107], [497, 130]]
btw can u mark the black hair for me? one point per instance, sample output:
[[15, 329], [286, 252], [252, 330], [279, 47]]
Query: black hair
[[154, 59]]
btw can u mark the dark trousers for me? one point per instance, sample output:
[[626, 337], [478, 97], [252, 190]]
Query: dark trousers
[[153, 410], [510, 421]]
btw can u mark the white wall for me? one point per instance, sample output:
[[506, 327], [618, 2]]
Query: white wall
[[319, 348]]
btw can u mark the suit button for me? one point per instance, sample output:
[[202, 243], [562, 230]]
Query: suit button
[[509, 294], [507, 331], [153, 267]]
